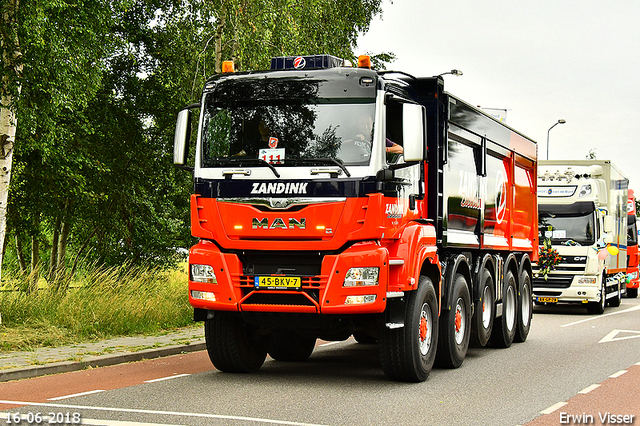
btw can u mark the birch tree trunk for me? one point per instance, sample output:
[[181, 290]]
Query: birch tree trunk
[[22, 263], [35, 265], [9, 92]]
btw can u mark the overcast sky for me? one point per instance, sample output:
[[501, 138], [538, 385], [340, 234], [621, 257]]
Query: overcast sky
[[544, 60]]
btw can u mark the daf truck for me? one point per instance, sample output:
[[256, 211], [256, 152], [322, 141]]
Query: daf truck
[[311, 223], [583, 213]]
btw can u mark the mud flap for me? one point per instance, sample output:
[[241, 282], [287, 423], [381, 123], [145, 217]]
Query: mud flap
[[395, 313]]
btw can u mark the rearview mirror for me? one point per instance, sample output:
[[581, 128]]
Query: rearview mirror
[[181, 138], [413, 132]]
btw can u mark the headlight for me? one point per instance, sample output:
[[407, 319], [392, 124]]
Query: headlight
[[584, 190], [360, 300], [360, 277], [203, 274], [203, 295]]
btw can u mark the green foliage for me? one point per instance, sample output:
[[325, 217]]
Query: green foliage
[[102, 82]]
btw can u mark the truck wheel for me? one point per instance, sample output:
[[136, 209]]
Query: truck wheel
[[232, 345], [407, 353], [287, 345], [504, 329], [525, 303], [632, 293], [597, 308], [615, 301], [455, 329], [482, 322]]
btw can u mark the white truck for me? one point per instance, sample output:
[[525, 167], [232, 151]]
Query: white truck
[[582, 211]]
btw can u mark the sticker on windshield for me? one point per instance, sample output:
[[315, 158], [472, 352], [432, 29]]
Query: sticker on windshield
[[272, 156], [559, 233], [273, 142]]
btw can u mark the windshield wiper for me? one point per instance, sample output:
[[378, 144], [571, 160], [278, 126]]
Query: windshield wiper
[[319, 161], [338, 163], [258, 161]]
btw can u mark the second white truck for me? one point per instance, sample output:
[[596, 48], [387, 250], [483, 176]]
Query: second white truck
[[582, 208]]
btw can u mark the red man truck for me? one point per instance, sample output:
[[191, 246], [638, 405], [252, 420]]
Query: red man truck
[[313, 225]]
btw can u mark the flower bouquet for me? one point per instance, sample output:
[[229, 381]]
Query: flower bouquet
[[548, 258]]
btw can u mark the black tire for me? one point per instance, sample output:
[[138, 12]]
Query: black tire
[[525, 311], [364, 339], [632, 293], [232, 345], [597, 308], [484, 311], [615, 301], [455, 326], [407, 353], [287, 345], [504, 329]]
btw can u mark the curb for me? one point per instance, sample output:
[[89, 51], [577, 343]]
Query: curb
[[100, 361]]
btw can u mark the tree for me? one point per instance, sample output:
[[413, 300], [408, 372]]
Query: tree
[[101, 85], [9, 91]]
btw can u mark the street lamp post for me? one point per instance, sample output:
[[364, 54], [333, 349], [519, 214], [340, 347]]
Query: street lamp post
[[561, 121], [457, 73]]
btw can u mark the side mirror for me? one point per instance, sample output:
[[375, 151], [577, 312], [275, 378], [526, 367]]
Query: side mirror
[[181, 138], [608, 224], [413, 130]]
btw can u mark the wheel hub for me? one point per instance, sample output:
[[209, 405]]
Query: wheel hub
[[424, 328]]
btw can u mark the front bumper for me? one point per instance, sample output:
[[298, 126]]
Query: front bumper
[[234, 290], [577, 292]]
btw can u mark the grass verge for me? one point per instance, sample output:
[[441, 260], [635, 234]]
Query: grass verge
[[98, 304]]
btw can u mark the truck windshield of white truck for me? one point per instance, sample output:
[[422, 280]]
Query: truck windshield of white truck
[[572, 224]]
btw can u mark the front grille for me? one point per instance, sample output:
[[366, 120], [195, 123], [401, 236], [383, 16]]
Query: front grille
[[553, 281], [281, 262], [282, 298], [313, 282]]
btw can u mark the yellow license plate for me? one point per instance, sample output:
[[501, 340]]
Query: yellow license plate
[[548, 299], [277, 282]]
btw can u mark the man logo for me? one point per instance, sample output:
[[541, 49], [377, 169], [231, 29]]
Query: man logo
[[278, 223], [299, 62]]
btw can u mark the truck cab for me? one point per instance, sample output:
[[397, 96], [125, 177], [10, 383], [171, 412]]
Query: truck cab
[[582, 214], [333, 201]]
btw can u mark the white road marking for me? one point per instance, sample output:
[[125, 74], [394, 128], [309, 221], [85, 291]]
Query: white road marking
[[160, 412], [618, 374], [611, 337], [166, 378], [635, 308], [553, 408], [589, 388], [75, 394]]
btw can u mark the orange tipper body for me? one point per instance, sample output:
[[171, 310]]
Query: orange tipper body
[[332, 201]]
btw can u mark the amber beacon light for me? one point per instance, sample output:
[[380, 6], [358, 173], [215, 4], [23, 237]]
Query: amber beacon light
[[364, 61]]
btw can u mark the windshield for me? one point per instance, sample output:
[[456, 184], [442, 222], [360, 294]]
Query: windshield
[[568, 225], [285, 122]]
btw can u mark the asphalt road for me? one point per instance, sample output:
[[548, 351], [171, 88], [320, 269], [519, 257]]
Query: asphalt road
[[567, 352]]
